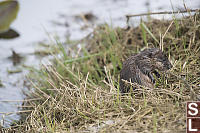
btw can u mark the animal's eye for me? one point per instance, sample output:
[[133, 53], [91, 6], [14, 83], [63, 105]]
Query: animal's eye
[[164, 59]]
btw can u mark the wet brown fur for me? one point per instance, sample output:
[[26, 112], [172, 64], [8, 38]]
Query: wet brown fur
[[140, 67]]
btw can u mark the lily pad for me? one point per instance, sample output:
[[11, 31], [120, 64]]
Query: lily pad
[[8, 13]]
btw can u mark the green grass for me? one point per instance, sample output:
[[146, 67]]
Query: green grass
[[80, 90]]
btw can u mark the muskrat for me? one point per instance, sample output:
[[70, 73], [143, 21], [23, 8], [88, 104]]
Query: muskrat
[[139, 68]]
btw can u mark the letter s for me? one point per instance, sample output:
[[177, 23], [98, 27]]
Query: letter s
[[193, 108]]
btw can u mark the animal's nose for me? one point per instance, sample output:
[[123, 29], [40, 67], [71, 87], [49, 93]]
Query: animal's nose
[[170, 66]]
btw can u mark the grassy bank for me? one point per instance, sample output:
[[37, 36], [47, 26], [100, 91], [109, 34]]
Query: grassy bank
[[79, 92]]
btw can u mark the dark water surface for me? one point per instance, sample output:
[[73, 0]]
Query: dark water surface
[[57, 18]]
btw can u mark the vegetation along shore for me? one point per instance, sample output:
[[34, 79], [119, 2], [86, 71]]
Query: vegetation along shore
[[79, 90]]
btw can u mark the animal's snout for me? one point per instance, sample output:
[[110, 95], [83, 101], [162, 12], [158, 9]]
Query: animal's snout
[[169, 66]]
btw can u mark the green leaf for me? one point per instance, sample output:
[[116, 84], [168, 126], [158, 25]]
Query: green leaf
[[8, 13], [82, 58], [150, 33]]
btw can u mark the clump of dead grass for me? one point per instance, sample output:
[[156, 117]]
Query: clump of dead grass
[[79, 92]]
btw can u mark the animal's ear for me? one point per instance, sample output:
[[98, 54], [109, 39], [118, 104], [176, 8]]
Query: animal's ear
[[157, 51]]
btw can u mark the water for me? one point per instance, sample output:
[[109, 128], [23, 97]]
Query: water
[[39, 17]]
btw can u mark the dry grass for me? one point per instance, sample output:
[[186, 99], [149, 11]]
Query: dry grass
[[79, 92]]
